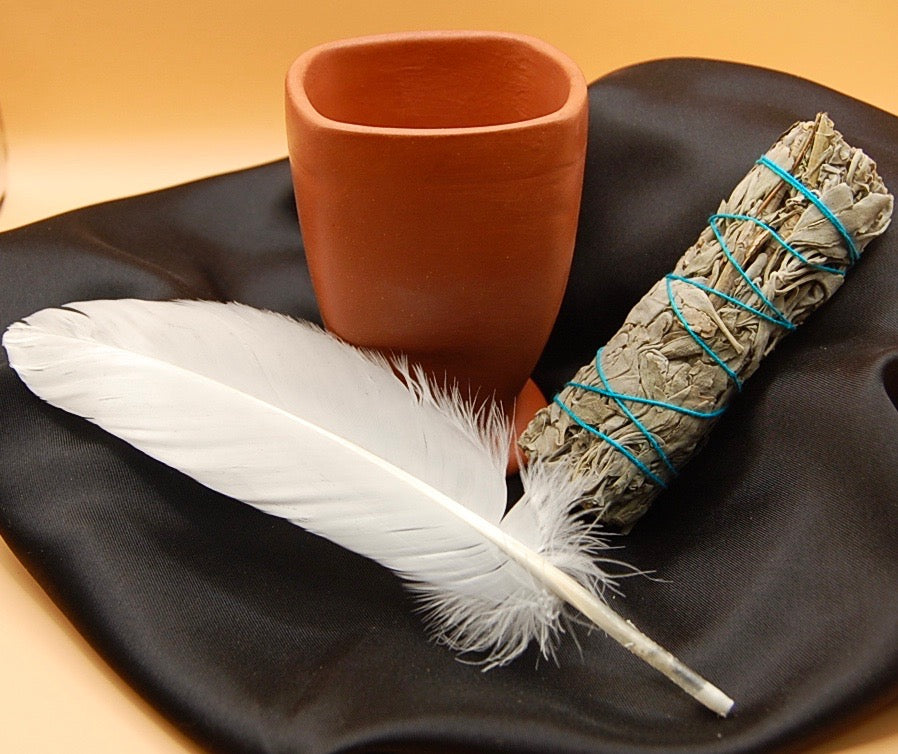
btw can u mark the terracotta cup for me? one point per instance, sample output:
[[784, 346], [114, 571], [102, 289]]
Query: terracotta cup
[[438, 179]]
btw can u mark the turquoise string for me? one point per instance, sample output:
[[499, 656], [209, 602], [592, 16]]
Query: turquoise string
[[772, 314], [693, 334], [853, 253], [612, 442]]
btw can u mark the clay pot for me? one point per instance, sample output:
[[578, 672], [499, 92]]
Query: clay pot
[[438, 179]]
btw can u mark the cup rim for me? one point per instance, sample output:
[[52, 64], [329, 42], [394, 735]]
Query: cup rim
[[298, 100]]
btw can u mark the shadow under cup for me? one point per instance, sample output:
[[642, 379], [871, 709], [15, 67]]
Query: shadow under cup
[[438, 179]]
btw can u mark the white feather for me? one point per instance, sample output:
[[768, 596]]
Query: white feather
[[364, 452]]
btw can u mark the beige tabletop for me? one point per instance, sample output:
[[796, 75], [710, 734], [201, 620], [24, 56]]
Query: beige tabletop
[[106, 99]]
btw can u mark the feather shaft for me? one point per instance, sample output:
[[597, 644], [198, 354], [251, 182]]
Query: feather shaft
[[632, 639], [615, 626]]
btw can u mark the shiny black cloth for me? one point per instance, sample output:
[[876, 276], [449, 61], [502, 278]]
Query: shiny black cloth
[[776, 548]]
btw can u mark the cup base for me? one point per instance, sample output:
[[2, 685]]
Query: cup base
[[529, 401]]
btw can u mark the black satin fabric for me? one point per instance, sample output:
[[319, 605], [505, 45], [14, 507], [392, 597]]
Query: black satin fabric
[[776, 550]]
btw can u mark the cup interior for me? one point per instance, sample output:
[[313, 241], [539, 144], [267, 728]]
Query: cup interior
[[436, 82]]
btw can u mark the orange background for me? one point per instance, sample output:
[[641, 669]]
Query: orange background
[[107, 99]]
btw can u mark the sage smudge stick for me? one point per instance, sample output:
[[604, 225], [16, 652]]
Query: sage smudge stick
[[777, 249]]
